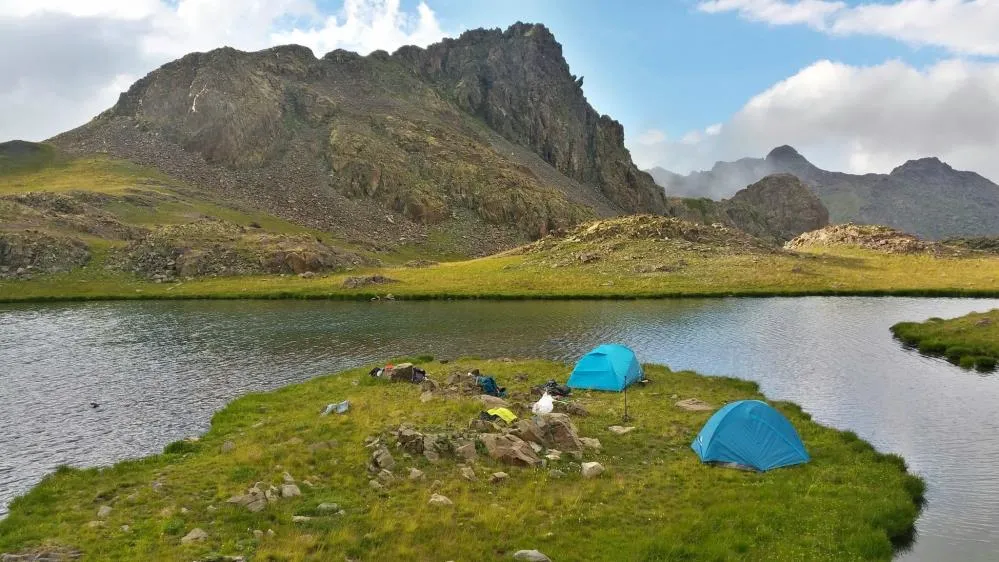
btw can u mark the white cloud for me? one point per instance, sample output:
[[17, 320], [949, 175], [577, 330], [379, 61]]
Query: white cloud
[[651, 137], [777, 12], [367, 26], [967, 27], [859, 119], [75, 56]]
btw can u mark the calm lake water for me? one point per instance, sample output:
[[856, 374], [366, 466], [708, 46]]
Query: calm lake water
[[160, 369]]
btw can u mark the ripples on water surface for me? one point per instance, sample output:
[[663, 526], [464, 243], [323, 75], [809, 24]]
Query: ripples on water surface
[[159, 370]]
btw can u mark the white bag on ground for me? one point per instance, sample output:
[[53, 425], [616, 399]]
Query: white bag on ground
[[544, 405]]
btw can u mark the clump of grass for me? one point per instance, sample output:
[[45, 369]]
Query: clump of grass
[[656, 501], [971, 341], [985, 364], [180, 448]]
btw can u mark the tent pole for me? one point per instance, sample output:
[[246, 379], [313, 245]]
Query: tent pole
[[626, 417]]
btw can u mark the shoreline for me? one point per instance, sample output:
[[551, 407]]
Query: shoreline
[[365, 297]]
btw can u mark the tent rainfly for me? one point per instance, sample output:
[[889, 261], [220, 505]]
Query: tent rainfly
[[608, 367], [750, 433]]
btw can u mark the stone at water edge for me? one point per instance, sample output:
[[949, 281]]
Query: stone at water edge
[[619, 430], [195, 535], [531, 556], [592, 469], [437, 499]]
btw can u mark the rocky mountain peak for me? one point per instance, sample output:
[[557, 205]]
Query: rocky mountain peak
[[784, 155], [518, 83], [922, 166]]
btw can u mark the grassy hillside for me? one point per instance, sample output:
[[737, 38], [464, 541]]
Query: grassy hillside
[[58, 213], [971, 341], [633, 257], [655, 501]]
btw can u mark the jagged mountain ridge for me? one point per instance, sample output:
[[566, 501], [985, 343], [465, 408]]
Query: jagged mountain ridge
[[488, 133], [926, 197]]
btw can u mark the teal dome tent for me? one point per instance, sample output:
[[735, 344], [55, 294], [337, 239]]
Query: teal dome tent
[[750, 433], [608, 367]]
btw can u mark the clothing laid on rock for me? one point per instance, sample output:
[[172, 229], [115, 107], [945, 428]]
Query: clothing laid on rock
[[503, 414], [552, 387], [489, 386], [338, 407]]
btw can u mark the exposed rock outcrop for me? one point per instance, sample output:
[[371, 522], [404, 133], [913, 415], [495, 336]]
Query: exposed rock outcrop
[[870, 237], [27, 253], [213, 247], [518, 82]]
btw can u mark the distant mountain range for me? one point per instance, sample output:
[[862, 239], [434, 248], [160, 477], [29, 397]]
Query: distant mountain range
[[925, 196]]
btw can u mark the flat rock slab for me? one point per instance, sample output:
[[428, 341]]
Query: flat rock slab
[[43, 555], [694, 405], [531, 556]]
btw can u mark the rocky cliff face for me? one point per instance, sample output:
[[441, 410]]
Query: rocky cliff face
[[518, 82], [925, 196], [488, 132]]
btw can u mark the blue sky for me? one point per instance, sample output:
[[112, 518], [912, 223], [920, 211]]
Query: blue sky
[[664, 65], [858, 86]]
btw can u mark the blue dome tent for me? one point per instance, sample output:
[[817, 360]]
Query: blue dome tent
[[608, 367], [750, 433]]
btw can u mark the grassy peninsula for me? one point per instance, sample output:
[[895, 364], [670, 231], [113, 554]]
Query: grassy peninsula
[[655, 501], [971, 341]]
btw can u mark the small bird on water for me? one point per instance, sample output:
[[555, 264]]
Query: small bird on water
[[94, 405]]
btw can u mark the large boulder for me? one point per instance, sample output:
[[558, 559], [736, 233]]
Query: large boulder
[[510, 449], [555, 431], [411, 441]]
